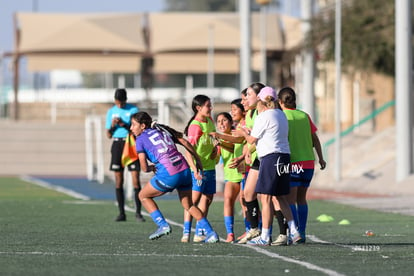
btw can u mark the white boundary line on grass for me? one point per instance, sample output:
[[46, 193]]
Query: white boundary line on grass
[[74, 253], [47, 185], [257, 249], [290, 260], [270, 254]]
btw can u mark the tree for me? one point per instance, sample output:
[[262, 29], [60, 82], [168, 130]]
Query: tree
[[209, 5], [204, 5], [367, 35]]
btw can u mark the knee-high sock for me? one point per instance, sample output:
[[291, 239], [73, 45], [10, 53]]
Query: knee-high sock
[[120, 198], [158, 218], [281, 222], [302, 217], [187, 227], [294, 213], [199, 231], [137, 201], [229, 223], [246, 221], [246, 224], [253, 213], [205, 225]]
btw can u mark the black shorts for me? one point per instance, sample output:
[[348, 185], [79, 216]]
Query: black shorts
[[116, 157], [274, 174], [256, 164]]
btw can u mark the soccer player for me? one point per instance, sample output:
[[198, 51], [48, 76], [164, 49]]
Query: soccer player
[[270, 134], [302, 140], [232, 176], [250, 154], [157, 144], [197, 131]]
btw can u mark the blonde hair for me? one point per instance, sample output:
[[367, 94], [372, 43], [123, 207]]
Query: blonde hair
[[269, 102]]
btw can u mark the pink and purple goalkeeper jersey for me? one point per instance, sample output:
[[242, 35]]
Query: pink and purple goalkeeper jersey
[[161, 151]]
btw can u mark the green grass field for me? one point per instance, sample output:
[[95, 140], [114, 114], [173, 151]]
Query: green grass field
[[43, 232]]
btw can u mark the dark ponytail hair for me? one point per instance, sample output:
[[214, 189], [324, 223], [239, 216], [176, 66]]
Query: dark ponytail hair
[[288, 97], [257, 86], [144, 118], [198, 100]]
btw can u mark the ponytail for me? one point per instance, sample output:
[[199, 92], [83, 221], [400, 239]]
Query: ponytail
[[188, 125], [198, 100], [175, 135]]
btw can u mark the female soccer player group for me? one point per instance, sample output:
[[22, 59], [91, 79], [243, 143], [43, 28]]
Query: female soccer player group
[[266, 147]]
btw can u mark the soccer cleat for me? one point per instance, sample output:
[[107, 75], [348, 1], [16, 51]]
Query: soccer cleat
[[230, 238], [295, 238], [211, 238], [301, 241], [258, 241], [121, 217], [303, 237], [241, 236], [161, 231], [198, 238], [281, 240], [185, 238], [139, 217], [252, 233]]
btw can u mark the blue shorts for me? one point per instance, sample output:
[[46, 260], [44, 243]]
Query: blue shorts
[[180, 181], [243, 182], [274, 175], [301, 178], [208, 185]]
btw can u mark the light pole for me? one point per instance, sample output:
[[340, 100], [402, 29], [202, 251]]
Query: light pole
[[338, 153], [403, 89], [35, 8], [245, 43], [263, 72]]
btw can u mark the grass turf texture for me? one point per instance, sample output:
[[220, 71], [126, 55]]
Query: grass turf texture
[[43, 232]]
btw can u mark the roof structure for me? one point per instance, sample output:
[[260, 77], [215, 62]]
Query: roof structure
[[115, 42], [86, 42]]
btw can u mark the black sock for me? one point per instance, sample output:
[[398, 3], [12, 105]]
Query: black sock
[[281, 221], [253, 213], [121, 200], [245, 213], [137, 201]]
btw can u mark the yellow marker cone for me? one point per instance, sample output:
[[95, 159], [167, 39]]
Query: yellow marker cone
[[325, 218], [344, 222]]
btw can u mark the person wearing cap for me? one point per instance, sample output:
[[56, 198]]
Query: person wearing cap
[[117, 124], [302, 140], [270, 134]]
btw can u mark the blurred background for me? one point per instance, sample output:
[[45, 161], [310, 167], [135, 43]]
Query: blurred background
[[61, 62]]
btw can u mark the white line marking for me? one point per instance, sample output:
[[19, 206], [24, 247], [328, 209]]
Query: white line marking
[[316, 239], [257, 249], [270, 254], [290, 260], [124, 254], [83, 202], [47, 185]]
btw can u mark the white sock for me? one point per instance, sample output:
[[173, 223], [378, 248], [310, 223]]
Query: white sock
[[292, 227], [265, 234]]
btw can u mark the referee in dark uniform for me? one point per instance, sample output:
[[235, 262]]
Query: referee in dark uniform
[[118, 121]]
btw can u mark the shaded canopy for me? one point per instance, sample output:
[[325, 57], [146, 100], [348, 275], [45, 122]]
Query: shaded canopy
[[180, 41], [114, 42], [86, 42]]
